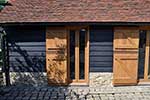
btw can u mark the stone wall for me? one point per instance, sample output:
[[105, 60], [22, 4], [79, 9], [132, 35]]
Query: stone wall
[[96, 79], [100, 79], [28, 78]]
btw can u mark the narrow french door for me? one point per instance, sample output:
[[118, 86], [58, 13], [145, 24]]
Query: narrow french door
[[147, 57], [144, 56], [78, 54]]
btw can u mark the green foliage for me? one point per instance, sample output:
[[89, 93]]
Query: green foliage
[[2, 4], [1, 7], [3, 1]]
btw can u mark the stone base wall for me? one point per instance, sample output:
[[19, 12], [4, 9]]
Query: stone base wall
[[100, 79], [28, 78], [96, 79]]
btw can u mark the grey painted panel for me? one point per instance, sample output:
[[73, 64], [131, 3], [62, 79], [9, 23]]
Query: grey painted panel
[[32, 54], [99, 59], [24, 44], [101, 49], [26, 48], [100, 53], [24, 64], [37, 48], [101, 43], [101, 64], [102, 69], [15, 58]]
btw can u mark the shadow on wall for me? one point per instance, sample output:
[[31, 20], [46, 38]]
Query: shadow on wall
[[26, 68], [26, 62]]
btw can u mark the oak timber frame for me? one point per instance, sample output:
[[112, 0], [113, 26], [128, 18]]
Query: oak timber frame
[[78, 81]]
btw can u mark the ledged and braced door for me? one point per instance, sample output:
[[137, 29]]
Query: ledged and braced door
[[125, 64], [56, 55]]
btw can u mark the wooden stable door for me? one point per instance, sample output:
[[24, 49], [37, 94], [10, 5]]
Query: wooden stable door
[[67, 55], [78, 55], [125, 62], [56, 55]]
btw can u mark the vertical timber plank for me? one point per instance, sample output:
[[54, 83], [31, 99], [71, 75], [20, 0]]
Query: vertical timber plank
[[147, 55], [87, 56], [77, 55]]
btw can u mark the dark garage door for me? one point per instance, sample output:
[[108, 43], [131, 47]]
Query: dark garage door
[[101, 49]]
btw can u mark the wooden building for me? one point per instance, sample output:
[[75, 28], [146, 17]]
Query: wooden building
[[74, 41]]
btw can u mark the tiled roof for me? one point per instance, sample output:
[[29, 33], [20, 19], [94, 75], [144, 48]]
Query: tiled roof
[[76, 11]]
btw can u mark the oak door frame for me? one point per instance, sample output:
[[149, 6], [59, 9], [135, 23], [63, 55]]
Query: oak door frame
[[147, 56], [86, 80]]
